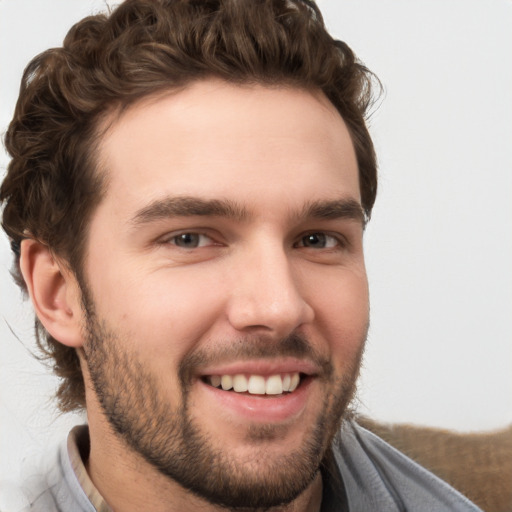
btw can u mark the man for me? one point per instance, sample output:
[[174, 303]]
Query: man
[[186, 200]]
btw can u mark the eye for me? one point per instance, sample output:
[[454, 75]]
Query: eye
[[319, 241], [190, 240]]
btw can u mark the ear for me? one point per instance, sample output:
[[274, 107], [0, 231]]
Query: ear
[[54, 293]]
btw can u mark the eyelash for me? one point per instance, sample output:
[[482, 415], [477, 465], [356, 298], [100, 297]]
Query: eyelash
[[174, 238], [339, 241], [320, 236]]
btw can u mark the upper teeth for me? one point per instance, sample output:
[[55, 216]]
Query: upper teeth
[[257, 384]]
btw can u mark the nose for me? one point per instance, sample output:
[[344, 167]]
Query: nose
[[267, 293]]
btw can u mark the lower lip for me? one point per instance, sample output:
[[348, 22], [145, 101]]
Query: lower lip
[[260, 408]]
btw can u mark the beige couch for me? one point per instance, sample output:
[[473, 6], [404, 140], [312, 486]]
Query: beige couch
[[479, 465]]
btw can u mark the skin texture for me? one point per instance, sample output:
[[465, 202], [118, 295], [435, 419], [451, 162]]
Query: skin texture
[[269, 278]]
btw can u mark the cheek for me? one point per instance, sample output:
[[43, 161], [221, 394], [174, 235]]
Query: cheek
[[342, 315], [166, 312]]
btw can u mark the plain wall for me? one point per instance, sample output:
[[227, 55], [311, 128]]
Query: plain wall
[[439, 245]]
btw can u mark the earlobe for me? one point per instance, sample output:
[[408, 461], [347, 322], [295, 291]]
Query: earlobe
[[53, 291]]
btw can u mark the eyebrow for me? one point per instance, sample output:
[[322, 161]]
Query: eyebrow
[[335, 209], [188, 207], [185, 206]]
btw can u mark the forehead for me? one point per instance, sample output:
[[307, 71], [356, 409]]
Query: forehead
[[218, 140]]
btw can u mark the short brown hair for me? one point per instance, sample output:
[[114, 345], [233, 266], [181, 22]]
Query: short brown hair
[[143, 47]]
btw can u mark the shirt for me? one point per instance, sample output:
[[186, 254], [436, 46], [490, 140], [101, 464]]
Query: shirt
[[366, 474]]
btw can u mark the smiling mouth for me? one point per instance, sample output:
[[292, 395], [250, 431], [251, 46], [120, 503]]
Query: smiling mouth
[[277, 384]]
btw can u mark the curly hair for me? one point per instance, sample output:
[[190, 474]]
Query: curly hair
[[107, 63]]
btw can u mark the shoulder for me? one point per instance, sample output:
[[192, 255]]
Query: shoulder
[[34, 490], [379, 477], [12, 497], [48, 484], [40, 479], [32, 495]]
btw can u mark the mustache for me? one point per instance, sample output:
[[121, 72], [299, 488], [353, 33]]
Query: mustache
[[254, 347]]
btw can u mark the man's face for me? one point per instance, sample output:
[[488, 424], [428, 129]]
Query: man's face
[[227, 251]]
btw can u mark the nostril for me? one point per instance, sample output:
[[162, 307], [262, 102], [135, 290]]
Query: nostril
[[280, 320]]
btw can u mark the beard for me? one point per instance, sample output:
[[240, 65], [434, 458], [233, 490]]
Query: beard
[[168, 437]]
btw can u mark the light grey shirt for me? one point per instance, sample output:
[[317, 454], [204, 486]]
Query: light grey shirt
[[375, 476]]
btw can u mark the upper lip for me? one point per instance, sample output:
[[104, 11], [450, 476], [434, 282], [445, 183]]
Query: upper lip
[[263, 367]]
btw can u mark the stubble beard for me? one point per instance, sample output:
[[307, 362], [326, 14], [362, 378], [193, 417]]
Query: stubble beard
[[169, 439]]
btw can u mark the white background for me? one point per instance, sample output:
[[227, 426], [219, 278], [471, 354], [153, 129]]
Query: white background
[[439, 246]]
